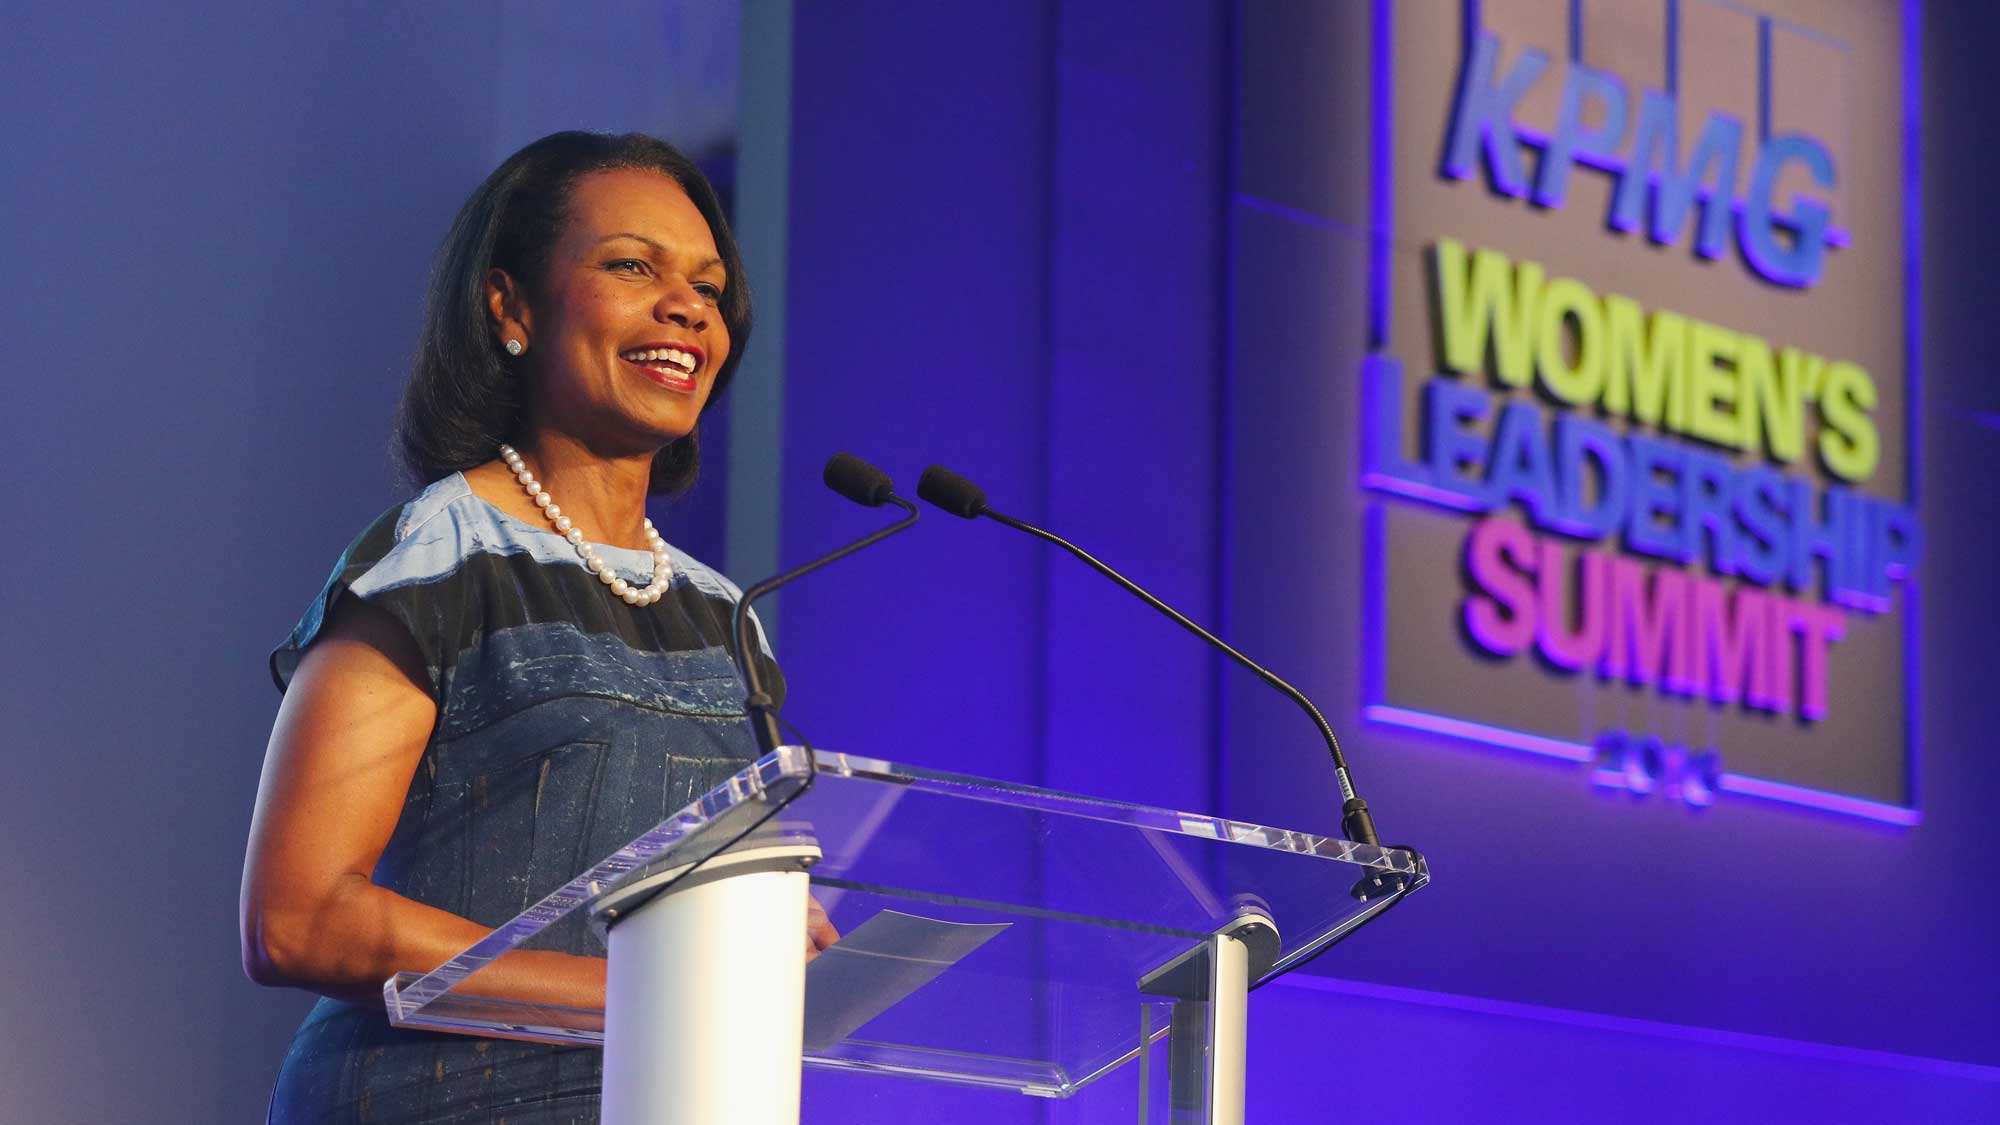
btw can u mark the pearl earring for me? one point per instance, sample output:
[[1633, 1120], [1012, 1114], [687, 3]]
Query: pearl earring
[[515, 347]]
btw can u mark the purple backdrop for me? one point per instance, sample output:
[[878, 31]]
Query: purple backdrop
[[1037, 242]]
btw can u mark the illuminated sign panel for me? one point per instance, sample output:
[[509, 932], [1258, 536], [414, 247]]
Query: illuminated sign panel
[[1638, 412]]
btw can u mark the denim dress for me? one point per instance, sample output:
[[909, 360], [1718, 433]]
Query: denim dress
[[567, 723]]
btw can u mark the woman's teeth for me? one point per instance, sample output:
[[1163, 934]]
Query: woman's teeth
[[675, 356]]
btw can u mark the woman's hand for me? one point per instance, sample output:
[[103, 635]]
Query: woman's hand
[[820, 933]]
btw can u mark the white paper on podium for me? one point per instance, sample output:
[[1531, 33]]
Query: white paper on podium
[[878, 963]]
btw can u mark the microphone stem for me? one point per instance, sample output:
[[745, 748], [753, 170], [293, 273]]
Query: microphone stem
[[763, 715], [1355, 822]]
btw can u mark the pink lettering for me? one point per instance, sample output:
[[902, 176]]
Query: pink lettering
[[1651, 635], [1500, 613]]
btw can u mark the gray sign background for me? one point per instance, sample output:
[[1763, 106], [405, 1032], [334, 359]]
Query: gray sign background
[[1836, 73]]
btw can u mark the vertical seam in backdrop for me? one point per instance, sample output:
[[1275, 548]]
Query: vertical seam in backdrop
[[1221, 560], [754, 485]]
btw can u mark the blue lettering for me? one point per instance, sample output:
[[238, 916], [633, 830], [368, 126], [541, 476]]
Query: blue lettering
[[1520, 466], [1705, 479], [1655, 186], [1655, 151], [1382, 462], [1800, 263], [1579, 441], [1572, 139], [1450, 447], [1755, 494], [1830, 538], [1652, 522], [1484, 115], [1900, 542]]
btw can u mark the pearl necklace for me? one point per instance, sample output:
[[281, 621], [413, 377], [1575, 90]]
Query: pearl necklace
[[663, 566]]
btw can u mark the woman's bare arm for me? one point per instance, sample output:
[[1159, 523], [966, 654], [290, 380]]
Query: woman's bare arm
[[349, 735]]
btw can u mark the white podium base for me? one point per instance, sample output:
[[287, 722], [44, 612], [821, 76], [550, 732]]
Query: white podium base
[[705, 1007]]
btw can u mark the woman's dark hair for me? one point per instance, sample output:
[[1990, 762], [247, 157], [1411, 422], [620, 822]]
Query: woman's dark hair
[[464, 397]]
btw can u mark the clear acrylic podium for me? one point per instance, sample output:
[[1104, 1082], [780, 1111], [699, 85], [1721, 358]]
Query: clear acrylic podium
[[993, 934]]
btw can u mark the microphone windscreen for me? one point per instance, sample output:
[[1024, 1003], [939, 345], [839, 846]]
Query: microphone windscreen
[[951, 492], [857, 480]]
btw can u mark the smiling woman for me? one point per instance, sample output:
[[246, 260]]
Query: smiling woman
[[553, 213], [627, 310], [494, 690]]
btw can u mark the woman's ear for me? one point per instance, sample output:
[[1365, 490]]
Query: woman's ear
[[508, 308]]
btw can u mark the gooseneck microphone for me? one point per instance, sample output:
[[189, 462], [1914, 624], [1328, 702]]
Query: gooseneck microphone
[[960, 497], [860, 482]]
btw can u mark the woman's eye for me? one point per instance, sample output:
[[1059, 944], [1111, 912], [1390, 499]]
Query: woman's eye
[[711, 292], [630, 265]]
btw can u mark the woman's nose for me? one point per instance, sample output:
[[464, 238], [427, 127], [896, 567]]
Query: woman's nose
[[682, 304]]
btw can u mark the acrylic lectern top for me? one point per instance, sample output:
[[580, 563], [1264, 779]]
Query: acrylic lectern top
[[993, 934]]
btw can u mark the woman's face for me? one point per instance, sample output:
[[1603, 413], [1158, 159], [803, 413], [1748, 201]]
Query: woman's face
[[624, 328]]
